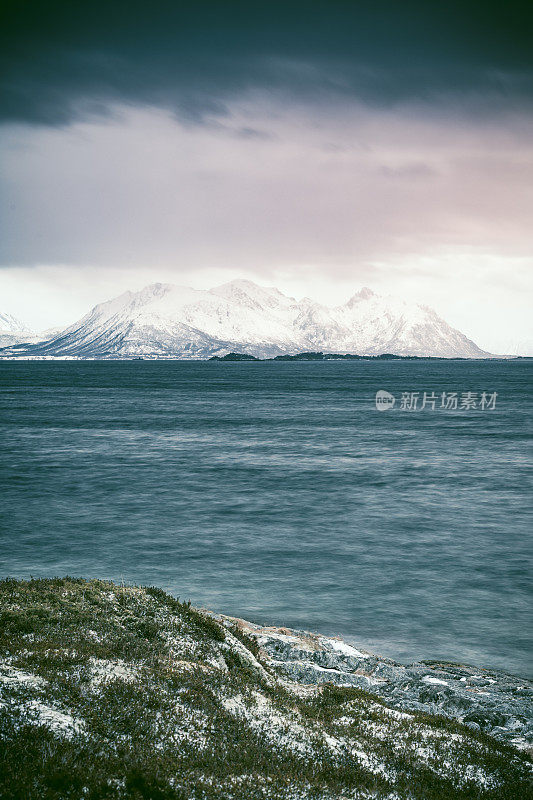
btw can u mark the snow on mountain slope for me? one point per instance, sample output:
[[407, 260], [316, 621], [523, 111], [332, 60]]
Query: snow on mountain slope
[[169, 321], [8, 323], [389, 325], [13, 331]]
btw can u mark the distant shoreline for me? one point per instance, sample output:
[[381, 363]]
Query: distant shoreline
[[319, 356], [246, 358]]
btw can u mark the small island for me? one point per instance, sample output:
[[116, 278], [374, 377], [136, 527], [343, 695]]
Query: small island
[[319, 356]]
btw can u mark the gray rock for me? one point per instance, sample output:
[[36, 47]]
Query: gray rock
[[488, 700]]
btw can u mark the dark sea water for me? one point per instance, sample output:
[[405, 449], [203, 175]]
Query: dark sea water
[[277, 492]]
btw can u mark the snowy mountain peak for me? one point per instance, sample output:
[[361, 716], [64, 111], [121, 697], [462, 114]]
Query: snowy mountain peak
[[363, 294], [168, 321], [13, 331], [249, 293], [155, 290], [11, 325]]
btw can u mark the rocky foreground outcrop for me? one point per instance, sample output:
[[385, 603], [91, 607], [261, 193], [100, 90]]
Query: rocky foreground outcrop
[[483, 699], [124, 692]]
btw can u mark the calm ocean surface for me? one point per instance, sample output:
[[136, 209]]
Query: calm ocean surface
[[277, 492]]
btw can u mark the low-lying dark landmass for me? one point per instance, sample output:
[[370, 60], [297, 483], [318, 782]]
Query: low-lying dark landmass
[[111, 691], [319, 356]]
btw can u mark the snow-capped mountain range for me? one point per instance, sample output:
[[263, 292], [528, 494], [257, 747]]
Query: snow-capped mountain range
[[168, 321]]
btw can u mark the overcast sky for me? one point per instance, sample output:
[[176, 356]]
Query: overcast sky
[[318, 147]]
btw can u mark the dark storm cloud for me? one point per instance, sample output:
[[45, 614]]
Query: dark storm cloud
[[64, 60]]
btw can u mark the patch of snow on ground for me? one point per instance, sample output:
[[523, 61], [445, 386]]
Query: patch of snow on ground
[[218, 662], [94, 635], [429, 679], [261, 716], [318, 668], [103, 670], [471, 773], [345, 649], [392, 712], [14, 676], [373, 765], [344, 720], [56, 720], [189, 727]]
